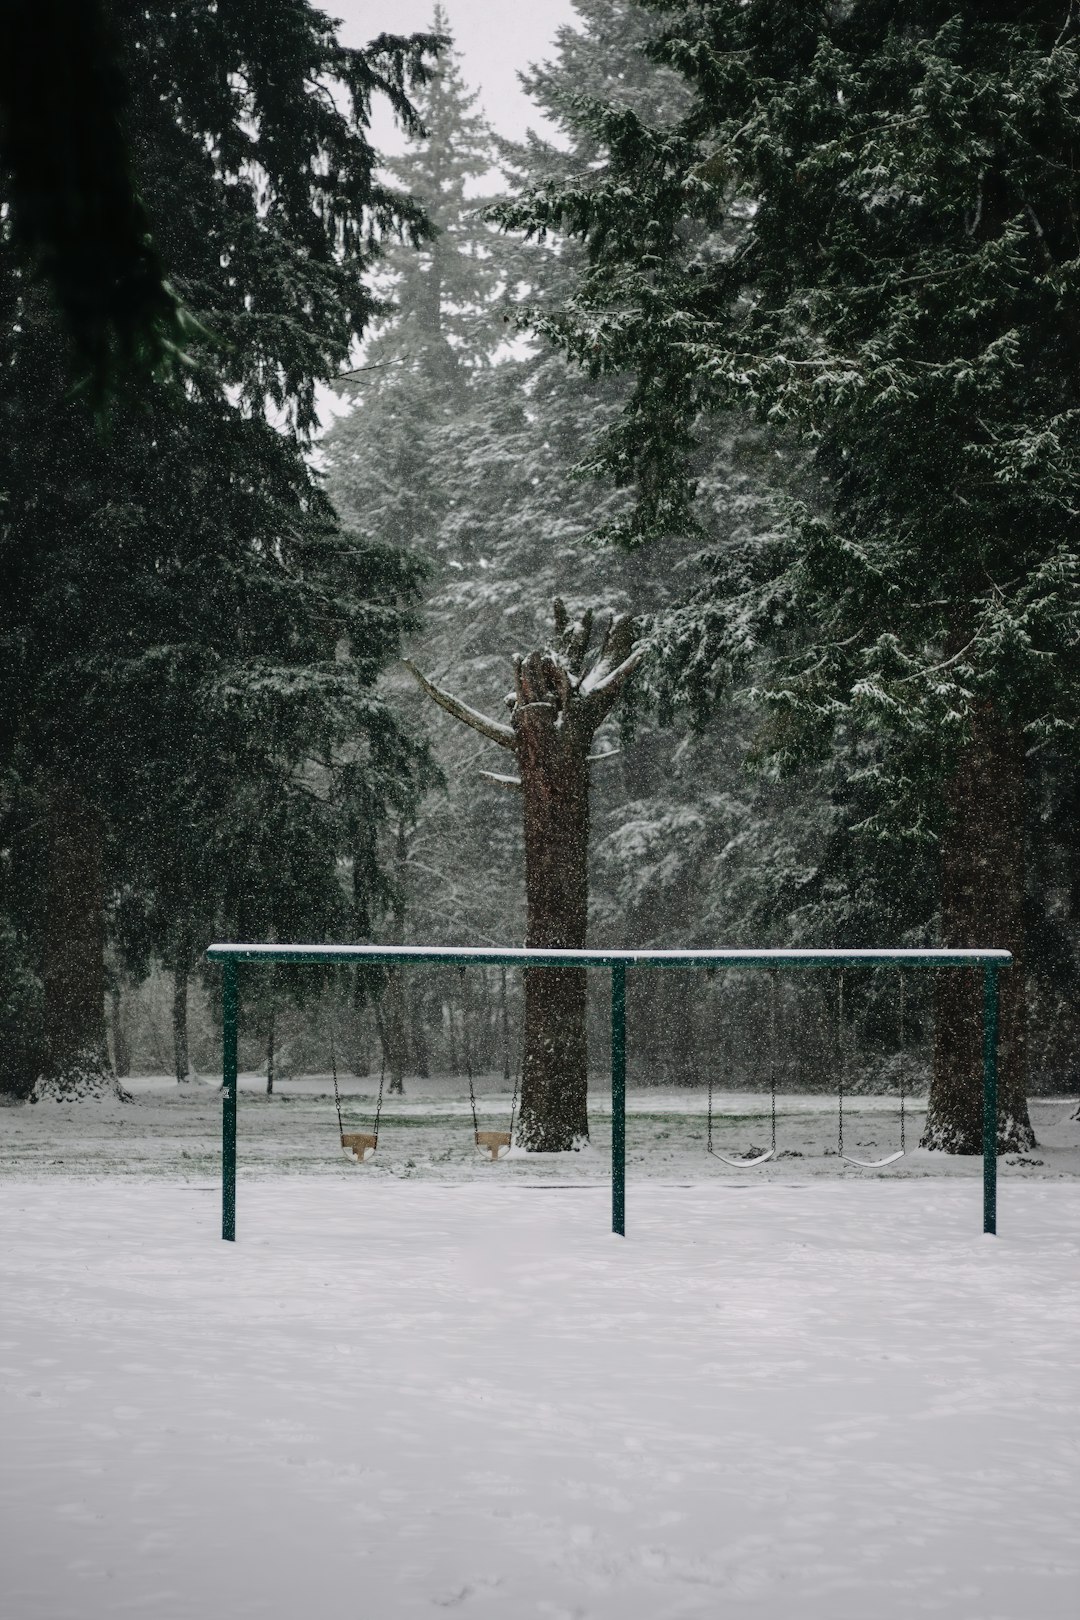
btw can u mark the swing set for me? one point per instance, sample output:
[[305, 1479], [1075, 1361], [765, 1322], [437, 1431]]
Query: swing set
[[751, 1160], [362, 1144]]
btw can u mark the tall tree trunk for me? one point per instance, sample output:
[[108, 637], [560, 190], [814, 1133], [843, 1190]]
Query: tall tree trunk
[[394, 1031], [553, 1114], [983, 881], [76, 1061], [271, 1023], [393, 1024], [180, 1014]]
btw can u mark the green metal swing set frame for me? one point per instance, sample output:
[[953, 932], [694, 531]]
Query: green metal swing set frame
[[232, 957]]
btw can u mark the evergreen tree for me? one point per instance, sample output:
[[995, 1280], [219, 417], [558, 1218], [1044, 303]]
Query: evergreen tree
[[74, 208], [192, 638], [895, 181], [485, 490], [392, 460]]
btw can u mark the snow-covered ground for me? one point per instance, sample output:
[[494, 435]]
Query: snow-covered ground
[[446, 1387], [176, 1131]]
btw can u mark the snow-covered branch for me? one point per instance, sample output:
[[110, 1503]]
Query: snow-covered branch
[[493, 730], [511, 783]]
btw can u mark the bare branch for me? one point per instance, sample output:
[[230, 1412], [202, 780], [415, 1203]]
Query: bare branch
[[612, 682], [599, 700], [493, 730], [617, 645], [577, 641], [511, 783]]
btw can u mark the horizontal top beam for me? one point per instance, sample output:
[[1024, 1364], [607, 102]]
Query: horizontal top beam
[[496, 956]]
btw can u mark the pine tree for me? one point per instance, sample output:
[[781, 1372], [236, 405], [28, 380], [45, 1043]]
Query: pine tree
[[488, 493], [182, 616], [895, 184], [74, 208]]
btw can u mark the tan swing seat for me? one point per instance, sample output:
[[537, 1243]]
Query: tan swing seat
[[359, 1143], [494, 1141]]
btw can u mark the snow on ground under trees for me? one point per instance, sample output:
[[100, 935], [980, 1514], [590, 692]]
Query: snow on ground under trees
[[444, 1386]]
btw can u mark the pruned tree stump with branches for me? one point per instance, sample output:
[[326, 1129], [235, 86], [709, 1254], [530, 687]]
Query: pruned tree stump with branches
[[562, 695]]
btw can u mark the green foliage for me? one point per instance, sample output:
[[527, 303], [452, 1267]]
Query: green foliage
[[74, 209], [862, 229], [193, 638]]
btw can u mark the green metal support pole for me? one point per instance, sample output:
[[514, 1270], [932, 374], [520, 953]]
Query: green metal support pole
[[990, 1104], [618, 1099], [228, 1103]]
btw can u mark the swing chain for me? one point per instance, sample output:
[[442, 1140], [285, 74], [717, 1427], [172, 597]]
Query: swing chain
[[378, 1100], [903, 1055], [337, 1093]]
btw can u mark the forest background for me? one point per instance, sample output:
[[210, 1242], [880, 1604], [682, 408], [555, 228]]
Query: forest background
[[529, 404]]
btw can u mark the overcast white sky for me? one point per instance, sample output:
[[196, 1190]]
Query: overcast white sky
[[496, 38]]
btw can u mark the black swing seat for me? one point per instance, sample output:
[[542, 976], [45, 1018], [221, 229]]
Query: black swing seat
[[497, 1143], [745, 1164], [874, 1164], [361, 1144]]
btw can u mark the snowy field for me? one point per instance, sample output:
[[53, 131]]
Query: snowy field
[[436, 1386], [176, 1131]]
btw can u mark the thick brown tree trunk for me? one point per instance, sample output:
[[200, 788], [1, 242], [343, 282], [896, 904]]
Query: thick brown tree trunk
[[553, 1113], [76, 1061], [982, 876]]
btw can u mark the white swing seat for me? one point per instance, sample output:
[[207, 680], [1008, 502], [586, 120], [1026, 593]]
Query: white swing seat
[[361, 1144], [874, 1164], [497, 1143], [745, 1164]]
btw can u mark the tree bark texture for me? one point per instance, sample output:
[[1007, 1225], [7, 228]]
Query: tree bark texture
[[562, 695], [982, 878], [553, 1111], [76, 1062]]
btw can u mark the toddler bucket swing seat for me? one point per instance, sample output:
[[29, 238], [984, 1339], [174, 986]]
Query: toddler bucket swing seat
[[360, 1145], [495, 1143]]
